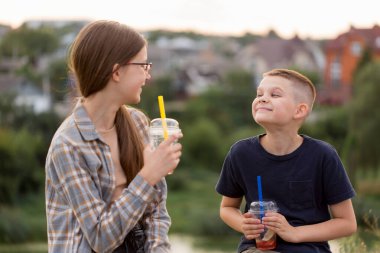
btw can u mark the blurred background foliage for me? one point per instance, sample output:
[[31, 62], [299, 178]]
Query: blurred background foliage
[[211, 123]]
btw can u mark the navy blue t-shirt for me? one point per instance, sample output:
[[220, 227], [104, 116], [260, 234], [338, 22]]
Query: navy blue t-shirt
[[303, 183]]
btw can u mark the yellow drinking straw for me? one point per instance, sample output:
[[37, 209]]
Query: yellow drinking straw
[[163, 116]]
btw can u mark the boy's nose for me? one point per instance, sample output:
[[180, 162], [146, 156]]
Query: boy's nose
[[263, 99]]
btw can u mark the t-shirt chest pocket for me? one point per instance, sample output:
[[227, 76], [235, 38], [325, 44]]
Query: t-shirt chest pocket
[[301, 194]]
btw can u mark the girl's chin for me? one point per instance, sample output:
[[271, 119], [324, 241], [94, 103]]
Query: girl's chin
[[138, 99], [133, 101]]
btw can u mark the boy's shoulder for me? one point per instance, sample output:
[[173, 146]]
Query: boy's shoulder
[[316, 141], [243, 144], [319, 144]]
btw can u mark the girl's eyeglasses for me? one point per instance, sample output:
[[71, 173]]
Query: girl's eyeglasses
[[145, 65]]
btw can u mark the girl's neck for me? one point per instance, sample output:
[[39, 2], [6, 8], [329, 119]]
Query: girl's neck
[[100, 112]]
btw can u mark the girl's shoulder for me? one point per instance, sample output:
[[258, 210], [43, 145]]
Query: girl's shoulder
[[137, 115]]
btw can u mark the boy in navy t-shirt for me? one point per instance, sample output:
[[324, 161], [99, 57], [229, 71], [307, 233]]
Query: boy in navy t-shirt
[[303, 175]]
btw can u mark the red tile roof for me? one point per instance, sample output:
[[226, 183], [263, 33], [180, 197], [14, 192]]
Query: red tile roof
[[370, 35]]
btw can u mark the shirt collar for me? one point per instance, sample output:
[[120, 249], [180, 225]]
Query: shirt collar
[[85, 126]]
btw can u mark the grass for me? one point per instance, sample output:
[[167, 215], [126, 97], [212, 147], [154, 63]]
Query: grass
[[368, 182], [26, 247], [367, 210]]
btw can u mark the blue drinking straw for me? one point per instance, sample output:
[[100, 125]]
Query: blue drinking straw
[[260, 197]]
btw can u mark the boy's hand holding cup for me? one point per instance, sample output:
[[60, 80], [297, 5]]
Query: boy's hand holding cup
[[267, 239]]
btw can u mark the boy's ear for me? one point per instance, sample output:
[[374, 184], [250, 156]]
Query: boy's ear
[[302, 111]]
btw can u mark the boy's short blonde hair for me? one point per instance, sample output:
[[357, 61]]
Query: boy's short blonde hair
[[305, 88]]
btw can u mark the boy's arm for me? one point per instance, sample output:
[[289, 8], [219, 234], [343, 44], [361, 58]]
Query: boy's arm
[[243, 223], [342, 223], [230, 212]]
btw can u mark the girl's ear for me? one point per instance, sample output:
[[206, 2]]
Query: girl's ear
[[302, 111], [116, 72]]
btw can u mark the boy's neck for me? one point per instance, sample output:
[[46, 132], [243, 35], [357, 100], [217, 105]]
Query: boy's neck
[[280, 144]]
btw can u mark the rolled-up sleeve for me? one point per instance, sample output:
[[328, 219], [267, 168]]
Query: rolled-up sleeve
[[158, 222]]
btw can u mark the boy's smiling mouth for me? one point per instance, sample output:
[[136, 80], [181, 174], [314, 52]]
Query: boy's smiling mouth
[[263, 108]]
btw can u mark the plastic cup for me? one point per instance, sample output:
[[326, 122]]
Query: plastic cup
[[156, 132], [267, 239]]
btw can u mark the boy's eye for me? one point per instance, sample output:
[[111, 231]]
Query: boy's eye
[[258, 95], [275, 95]]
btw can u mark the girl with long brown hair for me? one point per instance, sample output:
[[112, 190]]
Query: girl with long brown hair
[[102, 178]]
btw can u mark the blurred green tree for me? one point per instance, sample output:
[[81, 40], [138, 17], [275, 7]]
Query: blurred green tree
[[331, 126], [153, 88], [365, 59], [24, 140], [203, 144], [21, 171], [364, 123], [227, 103], [30, 43], [58, 73]]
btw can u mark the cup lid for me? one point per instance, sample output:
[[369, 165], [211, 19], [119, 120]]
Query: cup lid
[[264, 205], [171, 123]]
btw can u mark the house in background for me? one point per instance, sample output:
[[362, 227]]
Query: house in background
[[342, 56], [4, 29], [26, 93], [274, 52], [194, 64]]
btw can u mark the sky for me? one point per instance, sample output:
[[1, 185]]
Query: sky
[[318, 19]]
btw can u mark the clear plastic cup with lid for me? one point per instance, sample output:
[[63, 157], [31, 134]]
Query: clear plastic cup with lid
[[267, 239], [156, 131]]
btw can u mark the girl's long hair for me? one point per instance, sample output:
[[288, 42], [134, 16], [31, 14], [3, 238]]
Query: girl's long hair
[[97, 48]]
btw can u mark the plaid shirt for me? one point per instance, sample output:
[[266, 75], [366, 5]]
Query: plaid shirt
[[79, 185]]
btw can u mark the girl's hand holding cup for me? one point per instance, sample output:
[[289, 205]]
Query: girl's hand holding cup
[[162, 156]]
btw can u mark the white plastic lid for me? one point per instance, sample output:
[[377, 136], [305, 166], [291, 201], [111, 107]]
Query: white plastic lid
[[171, 123], [265, 206]]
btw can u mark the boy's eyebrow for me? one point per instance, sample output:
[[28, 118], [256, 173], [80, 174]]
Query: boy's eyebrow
[[272, 89], [277, 88]]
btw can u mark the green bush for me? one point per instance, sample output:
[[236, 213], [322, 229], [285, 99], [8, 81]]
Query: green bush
[[210, 224], [203, 145], [331, 126], [13, 228], [367, 211], [25, 222], [22, 173], [179, 181]]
